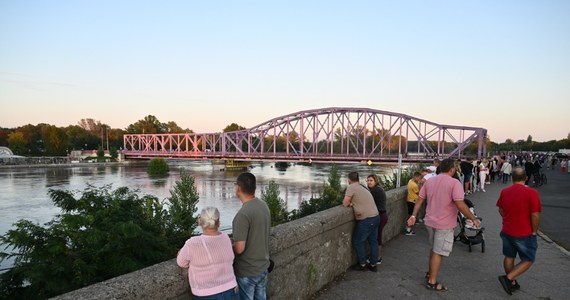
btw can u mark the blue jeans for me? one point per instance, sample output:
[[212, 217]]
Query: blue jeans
[[231, 294], [506, 177], [252, 287], [524, 246], [366, 230]]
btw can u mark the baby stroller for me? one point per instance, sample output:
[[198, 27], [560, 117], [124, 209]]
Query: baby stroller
[[468, 234]]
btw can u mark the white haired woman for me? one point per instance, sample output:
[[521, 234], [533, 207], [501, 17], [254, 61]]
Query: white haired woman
[[209, 258]]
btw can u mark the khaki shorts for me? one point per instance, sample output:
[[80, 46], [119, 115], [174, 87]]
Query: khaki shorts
[[440, 240]]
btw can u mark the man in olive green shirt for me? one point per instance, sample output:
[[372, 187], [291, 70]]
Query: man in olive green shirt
[[251, 227]]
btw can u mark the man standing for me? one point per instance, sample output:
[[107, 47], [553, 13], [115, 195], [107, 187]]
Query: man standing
[[251, 227], [520, 208], [445, 195], [367, 221]]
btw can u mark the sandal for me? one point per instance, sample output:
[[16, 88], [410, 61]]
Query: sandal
[[436, 287]]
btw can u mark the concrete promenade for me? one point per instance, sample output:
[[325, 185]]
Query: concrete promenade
[[466, 275]]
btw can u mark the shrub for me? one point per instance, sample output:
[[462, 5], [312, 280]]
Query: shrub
[[158, 167], [330, 197], [114, 153], [277, 206], [183, 200], [100, 154], [101, 234]]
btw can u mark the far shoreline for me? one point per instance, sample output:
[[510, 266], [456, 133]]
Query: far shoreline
[[69, 165]]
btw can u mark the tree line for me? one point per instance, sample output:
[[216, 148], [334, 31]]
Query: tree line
[[530, 145], [89, 134]]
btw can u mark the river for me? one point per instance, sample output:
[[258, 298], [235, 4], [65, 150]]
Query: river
[[24, 191]]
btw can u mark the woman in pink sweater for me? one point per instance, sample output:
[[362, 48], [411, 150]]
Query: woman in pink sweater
[[209, 258]]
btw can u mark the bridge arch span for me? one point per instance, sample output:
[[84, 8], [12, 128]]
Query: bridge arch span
[[327, 134]]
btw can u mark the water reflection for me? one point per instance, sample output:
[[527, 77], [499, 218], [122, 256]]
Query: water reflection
[[57, 177]]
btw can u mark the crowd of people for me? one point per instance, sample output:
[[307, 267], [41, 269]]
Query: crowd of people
[[220, 267], [445, 191]]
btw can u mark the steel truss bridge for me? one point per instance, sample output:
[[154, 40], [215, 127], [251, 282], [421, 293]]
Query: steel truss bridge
[[335, 134]]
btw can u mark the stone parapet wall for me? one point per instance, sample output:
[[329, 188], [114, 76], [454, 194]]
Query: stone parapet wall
[[308, 253]]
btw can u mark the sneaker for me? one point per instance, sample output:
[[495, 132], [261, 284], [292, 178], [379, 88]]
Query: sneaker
[[483, 190], [410, 233], [506, 284], [516, 286], [359, 267], [379, 262], [373, 268]]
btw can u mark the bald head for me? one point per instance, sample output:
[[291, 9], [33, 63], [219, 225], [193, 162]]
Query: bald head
[[519, 175]]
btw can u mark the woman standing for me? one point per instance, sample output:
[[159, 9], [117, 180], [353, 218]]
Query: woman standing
[[483, 171], [380, 199], [209, 258]]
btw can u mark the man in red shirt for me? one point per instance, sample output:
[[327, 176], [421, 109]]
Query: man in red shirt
[[520, 207]]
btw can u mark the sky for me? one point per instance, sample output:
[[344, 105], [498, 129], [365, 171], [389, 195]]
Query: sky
[[501, 65]]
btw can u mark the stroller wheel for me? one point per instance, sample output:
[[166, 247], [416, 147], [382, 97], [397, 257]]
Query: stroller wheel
[[469, 247], [483, 246]]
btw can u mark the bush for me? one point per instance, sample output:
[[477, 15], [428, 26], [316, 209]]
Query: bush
[[390, 182], [183, 200], [100, 154], [114, 153], [277, 206], [99, 235], [158, 167], [330, 197]]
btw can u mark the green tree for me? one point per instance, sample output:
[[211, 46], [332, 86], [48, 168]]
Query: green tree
[[99, 235], [149, 124], [17, 143], [233, 127], [33, 138], [332, 189], [100, 154], [55, 140], [277, 206], [114, 153], [172, 127], [331, 196], [79, 138], [183, 200], [158, 167]]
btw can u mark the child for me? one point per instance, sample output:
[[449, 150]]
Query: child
[[413, 195]]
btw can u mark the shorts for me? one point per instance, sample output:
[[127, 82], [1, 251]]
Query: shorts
[[468, 177], [524, 246], [440, 240], [410, 208]]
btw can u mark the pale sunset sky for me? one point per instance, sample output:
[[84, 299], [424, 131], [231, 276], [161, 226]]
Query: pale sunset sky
[[503, 65]]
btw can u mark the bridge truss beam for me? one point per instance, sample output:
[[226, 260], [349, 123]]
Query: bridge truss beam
[[320, 135]]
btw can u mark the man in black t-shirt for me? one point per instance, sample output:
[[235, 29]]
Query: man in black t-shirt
[[467, 170]]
